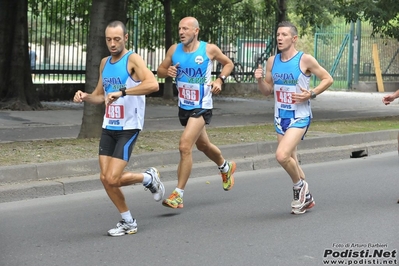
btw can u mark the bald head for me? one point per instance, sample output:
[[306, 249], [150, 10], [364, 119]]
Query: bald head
[[190, 21]]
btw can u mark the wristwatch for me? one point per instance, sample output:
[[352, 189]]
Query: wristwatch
[[312, 95], [222, 78], [123, 90]]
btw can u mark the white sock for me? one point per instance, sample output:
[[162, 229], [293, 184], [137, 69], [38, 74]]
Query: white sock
[[127, 217], [224, 167], [180, 191], [147, 179], [299, 184]]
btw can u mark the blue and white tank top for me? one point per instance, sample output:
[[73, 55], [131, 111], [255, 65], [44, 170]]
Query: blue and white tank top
[[193, 77], [288, 79], [126, 112]]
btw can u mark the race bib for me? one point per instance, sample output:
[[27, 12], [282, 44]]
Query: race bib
[[283, 96], [189, 94], [115, 112], [115, 115]]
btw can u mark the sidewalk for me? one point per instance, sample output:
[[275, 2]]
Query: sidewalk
[[228, 111], [66, 177]]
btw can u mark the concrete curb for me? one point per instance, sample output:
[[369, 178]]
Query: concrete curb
[[62, 178]]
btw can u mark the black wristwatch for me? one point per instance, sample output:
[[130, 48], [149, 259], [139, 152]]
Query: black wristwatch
[[123, 90], [222, 78], [312, 95]]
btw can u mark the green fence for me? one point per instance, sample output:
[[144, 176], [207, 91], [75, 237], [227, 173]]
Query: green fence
[[346, 51]]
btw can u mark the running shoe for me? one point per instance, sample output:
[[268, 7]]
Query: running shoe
[[309, 203], [174, 201], [299, 195], [228, 178], [155, 186], [123, 228]]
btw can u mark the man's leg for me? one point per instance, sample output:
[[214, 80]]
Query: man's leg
[[189, 136], [213, 153], [114, 178], [128, 224], [294, 155], [286, 147], [209, 149], [111, 173]]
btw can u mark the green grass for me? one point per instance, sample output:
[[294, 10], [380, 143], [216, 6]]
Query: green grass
[[28, 152]]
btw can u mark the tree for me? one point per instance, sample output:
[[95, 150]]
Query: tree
[[382, 14], [102, 12], [167, 5], [211, 21], [16, 87]]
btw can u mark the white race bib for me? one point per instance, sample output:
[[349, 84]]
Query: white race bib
[[189, 94], [283, 96], [115, 114]]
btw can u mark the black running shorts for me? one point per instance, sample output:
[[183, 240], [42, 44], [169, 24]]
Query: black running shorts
[[118, 143], [184, 115]]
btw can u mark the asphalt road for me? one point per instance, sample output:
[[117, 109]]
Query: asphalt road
[[355, 211]]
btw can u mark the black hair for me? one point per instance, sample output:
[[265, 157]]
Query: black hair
[[116, 23]]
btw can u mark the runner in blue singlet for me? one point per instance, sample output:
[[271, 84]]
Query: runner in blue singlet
[[287, 76], [190, 63], [123, 83]]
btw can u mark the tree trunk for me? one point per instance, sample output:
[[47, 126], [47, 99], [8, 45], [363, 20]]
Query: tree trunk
[[102, 12], [168, 86], [282, 11], [16, 87], [281, 15]]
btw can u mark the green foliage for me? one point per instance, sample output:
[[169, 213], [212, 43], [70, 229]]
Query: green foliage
[[146, 18], [49, 18], [382, 14], [310, 14]]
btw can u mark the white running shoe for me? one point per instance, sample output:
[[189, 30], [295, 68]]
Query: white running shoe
[[309, 203], [299, 195], [123, 228], [156, 186]]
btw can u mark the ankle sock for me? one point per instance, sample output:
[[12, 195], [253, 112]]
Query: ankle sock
[[180, 191], [127, 216], [224, 167], [298, 185], [146, 179]]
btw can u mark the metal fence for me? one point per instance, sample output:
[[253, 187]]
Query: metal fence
[[59, 38], [58, 35], [346, 51]]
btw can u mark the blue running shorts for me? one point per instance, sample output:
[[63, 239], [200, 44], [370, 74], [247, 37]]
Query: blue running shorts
[[282, 124]]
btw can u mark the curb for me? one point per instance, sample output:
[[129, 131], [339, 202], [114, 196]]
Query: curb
[[24, 182]]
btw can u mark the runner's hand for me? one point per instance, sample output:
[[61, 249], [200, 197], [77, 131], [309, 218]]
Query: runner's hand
[[112, 97], [216, 86], [259, 72], [172, 70], [301, 97], [387, 99], [79, 96]]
